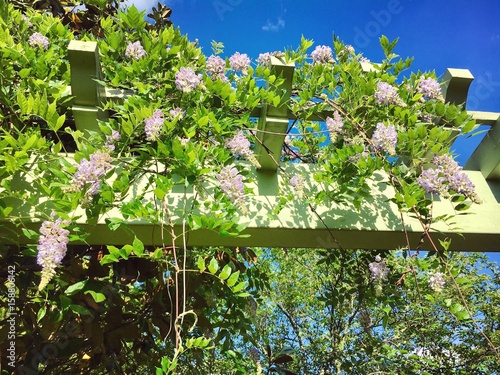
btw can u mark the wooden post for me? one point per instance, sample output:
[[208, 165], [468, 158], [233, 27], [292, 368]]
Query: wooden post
[[87, 92], [456, 85], [273, 121]]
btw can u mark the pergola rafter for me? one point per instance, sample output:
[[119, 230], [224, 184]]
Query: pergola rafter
[[377, 225]]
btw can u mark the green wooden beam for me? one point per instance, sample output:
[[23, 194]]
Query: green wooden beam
[[486, 157], [273, 120], [456, 85], [87, 93], [376, 226]]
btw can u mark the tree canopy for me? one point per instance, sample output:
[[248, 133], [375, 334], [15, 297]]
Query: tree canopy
[[188, 123]]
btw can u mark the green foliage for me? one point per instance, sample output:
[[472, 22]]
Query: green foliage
[[131, 300]]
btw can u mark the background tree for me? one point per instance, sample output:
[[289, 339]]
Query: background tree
[[335, 317]]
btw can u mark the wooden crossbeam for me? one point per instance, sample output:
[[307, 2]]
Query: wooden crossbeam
[[377, 225]]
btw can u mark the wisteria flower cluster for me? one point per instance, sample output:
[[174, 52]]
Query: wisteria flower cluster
[[176, 113], [111, 139], [437, 282], [26, 20], [216, 68], [231, 183], [52, 246], [153, 125], [240, 145], [334, 126], [322, 55], [38, 40], [387, 94], [135, 51], [447, 176], [430, 89], [90, 172], [240, 62], [379, 270], [298, 182], [347, 51], [265, 58], [385, 138], [186, 80]]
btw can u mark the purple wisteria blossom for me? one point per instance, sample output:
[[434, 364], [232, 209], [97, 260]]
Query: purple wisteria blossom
[[135, 51], [385, 138], [38, 40], [231, 183], [378, 269], [457, 180], [187, 80], [176, 113], [430, 181], [240, 145], [298, 182], [26, 20], [430, 88], [447, 175], [153, 125], [322, 55], [346, 52], [90, 172], [436, 282], [264, 58], [240, 62], [111, 139], [387, 94], [334, 126], [52, 246], [216, 68]]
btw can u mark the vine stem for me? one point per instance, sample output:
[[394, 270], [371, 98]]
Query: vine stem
[[426, 231], [176, 267]]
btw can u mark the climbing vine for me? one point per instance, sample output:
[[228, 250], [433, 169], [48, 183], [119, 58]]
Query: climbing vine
[[177, 153]]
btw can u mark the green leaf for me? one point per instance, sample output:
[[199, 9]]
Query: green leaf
[[213, 266], [233, 279], [201, 263], [463, 315], [108, 258], [469, 126], [243, 295], [445, 243], [80, 310], [138, 247], [113, 250], [59, 122], [125, 251], [98, 297], [240, 286], [114, 223], [75, 288], [31, 234], [157, 255], [65, 302], [203, 121], [41, 313], [226, 272]]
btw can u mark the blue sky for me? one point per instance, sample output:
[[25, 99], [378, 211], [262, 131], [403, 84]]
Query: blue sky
[[438, 34]]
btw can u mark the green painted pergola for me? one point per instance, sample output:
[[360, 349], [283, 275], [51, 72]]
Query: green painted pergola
[[377, 225]]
